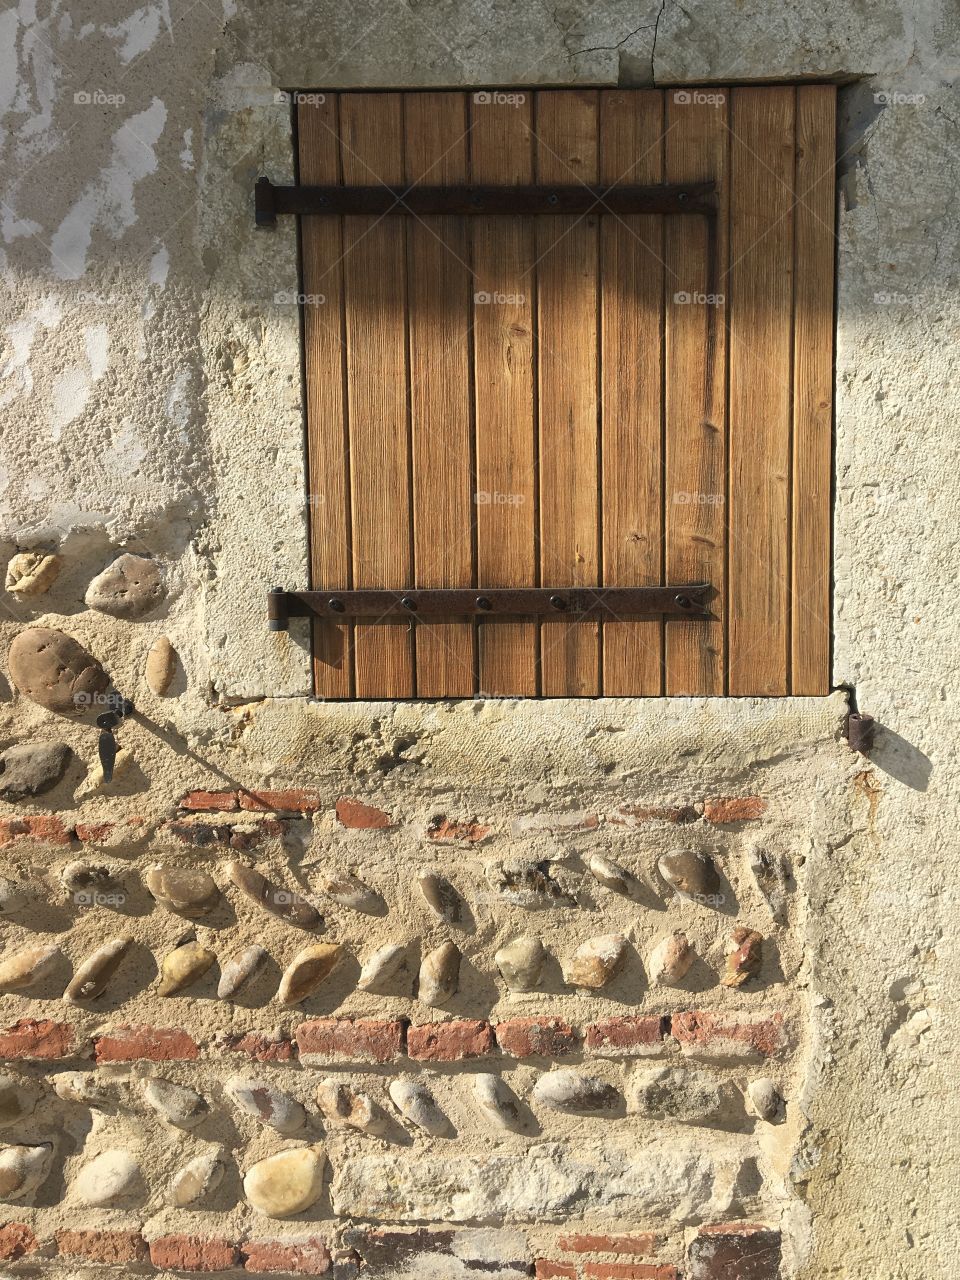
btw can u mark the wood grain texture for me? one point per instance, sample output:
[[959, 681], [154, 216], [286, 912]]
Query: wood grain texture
[[695, 380], [377, 380], [440, 302], [566, 127], [324, 355], [632, 280], [813, 389], [761, 352], [501, 150]]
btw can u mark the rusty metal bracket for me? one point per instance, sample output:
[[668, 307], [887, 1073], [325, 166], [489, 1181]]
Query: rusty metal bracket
[[575, 604], [861, 730], [578, 198]]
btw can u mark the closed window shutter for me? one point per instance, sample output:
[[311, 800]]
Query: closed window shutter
[[574, 400]]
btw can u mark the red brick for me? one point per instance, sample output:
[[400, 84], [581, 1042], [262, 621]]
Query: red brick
[[38, 827], [103, 1246], [353, 813], [45, 1039], [207, 801], [740, 1037], [296, 800], [446, 829], [308, 1257], [631, 815], [193, 1253], [449, 1041], [16, 1240], [629, 1271], [733, 808], [626, 1037], [536, 1037], [261, 1047], [638, 1245], [555, 1270], [740, 1250], [158, 1044], [352, 1040], [93, 831]]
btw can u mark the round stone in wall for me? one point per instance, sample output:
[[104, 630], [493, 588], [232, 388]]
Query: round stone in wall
[[161, 666], [56, 672], [129, 588], [285, 1183]]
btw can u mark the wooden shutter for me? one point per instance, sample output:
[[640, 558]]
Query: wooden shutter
[[507, 401]]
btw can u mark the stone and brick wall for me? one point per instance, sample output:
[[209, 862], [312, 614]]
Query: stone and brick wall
[[410, 1019]]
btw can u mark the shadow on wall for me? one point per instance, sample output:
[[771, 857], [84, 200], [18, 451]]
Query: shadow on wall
[[900, 759]]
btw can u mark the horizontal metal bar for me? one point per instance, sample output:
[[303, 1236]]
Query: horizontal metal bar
[[577, 604], [687, 197]]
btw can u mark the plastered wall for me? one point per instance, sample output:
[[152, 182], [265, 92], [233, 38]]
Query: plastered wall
[[150, 382]]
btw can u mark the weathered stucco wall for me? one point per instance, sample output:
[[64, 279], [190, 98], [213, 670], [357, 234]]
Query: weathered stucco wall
[[151, 394]]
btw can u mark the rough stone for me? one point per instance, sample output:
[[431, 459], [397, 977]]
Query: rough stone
[[597, 961], [340, 1104], [670, 1093], [536, 884], [17, 1099], [92, 977], [184, 966], [441, 897], [307, 971], [286, 1183], [267, 1103], [27, 968], [238, 971], [56, 672], [439, 974], [111, 1178], [670, 960], [23, 1169], [521, 963], [567, 1090], [279, 902], [128, 588], [182, 1107], [610, 874], [764, 1100], [198, 1179], [83, 1087], [387, 967], [185, 890], [498, 1102], [693, 876], [417, 1104], [744, 957], [31, 573], [350, 891], [161, 666], [31, 769], [13, 896]]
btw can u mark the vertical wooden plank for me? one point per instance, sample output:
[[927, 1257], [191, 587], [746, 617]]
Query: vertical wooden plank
[[440, 304], [695, 381], [371, 130], [324, 352], [501, 150], [813, 389], [631, 264], [761, 342], [566, 128]]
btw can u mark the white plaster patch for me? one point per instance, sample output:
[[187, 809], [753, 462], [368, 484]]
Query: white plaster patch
[[109, 200], [159, 266], [127, 450], [186, 155], [8, 60], [139, 30], [175, 406], [21, 336], [71, 391], [96, 342]]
